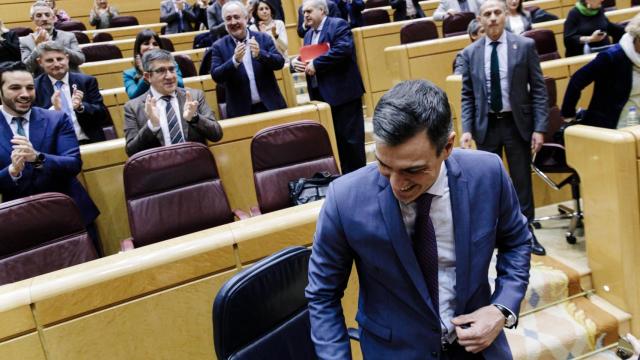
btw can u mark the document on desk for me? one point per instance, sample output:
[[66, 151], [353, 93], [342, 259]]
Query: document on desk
[[310, 52]]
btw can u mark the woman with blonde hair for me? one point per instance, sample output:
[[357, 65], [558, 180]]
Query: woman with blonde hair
[[9, 45], [101, 14], [616, 77]]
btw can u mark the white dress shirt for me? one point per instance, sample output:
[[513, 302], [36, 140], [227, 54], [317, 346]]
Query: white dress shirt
[[516, 24], [67, 93], [315, 38], [411, 10], [504, 65], [442, 220], [14, 125], [247, 60], [161, 107]]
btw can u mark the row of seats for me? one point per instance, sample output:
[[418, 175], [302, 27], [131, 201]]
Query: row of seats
[[170, 191]]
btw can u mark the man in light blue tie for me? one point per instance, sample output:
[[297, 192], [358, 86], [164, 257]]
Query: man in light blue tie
[[166, 114]]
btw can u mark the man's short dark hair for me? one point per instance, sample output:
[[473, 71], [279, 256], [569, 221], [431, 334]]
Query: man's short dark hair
[[11, 67], [410, 107]]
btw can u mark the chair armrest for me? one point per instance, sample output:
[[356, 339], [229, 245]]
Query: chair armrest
[[126, 245]]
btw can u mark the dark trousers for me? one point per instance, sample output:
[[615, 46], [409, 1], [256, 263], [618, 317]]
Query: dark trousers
[[258, 108], [503, 134], [456, 352], [348, 123]]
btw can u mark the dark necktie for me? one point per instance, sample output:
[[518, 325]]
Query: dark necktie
[[496, 91], [175, 134], [425, 246], [64, 100], [19, 121]]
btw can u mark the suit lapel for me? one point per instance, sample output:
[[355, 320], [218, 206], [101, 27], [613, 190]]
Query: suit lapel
[[182, 98], [7, 134], [37, 128], [459, 193], [478, 59], [400, 240], [46, 89], [512, 53]]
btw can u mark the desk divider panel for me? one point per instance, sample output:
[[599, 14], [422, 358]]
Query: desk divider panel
[[125, 32]]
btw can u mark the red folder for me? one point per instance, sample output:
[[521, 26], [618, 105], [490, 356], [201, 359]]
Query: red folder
[[310, 52]]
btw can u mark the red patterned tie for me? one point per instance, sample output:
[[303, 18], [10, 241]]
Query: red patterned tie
[[425, 246]]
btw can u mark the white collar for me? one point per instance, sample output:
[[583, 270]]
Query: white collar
[[156, 95], [10, 117], [65, 79], [502, 39], [439, 186], [321, 24]]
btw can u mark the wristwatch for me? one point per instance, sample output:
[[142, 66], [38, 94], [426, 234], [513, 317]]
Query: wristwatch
[[39, 160], [510, 319]]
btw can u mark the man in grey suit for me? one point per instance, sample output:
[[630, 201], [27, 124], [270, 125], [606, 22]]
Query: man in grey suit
[[165, 114], [215, 20], [178, 16], [504, 101], [43, 17]]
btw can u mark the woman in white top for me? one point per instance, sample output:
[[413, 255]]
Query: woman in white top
[[264, 22], [518, 19]]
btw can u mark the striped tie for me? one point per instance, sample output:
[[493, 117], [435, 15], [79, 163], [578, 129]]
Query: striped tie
[[426, 248], [175, 134]]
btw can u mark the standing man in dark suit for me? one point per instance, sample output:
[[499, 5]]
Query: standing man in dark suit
[[243, 62], [334, 78], [421, 227], [504, 101], [334, 11], [38, 148], [215, 20], [178, 15], [351, 11], [166, 114], [406, 9], [75, 94]]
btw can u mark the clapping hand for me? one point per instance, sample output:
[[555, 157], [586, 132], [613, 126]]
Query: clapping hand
[[76, 98], [23, 147], [190, 107], [150, 110], [17, 163], [40, 35], [254, 47], [238, 53], [56, 101]]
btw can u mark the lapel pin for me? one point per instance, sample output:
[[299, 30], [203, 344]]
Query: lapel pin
[[515, 46]]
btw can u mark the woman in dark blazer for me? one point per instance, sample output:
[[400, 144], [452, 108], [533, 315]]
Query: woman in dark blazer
[[586, 24], [616, 77], [518, 19], [400, 7], [9, 45]]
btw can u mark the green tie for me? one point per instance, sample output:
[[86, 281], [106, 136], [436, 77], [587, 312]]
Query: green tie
[[496, 92], [20, 129]]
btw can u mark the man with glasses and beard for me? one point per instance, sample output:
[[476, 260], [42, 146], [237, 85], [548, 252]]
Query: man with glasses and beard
[[166, 114], [39, 150]]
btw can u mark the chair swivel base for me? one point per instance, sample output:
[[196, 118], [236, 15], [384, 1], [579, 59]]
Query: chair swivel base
[[565, 213]]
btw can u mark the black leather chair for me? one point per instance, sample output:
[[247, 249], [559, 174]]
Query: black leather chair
[[419, 30], [457, 24], [375, 17], [261, 312], [100, 52], [186, 65], [22, 31], [371, 4], [122, 21], [551, 159], [167, 44], [102, 37], [545, 43], [71, 25], [81, 37]]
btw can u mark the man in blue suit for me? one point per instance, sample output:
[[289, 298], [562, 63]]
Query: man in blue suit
[[76, 94], [38, 148], [421, 227], [334, 78], [333, 11], [243, 62], [351, 11]]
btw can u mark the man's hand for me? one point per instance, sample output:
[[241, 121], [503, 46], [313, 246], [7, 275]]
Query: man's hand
[[597, 35], [310, 69], [39, 36], [180, 4], [238, 53], [17, 164], [465, 140], [484, 326], [139, 63], [298, 65], [76, 98], [190, 107], [150, 110], [56, 101], [537, 139], [22, 147], [254, 47]]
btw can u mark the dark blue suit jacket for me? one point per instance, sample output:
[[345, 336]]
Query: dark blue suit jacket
[[337, 73], [236, 81], [352, 12], [94, 116], [611, 71], [52, 134], [361, 222]]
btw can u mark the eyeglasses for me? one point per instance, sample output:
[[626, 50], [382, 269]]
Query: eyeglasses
[[164, 70]]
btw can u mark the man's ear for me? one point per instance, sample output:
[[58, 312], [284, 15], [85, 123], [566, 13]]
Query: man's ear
[[146, 76]]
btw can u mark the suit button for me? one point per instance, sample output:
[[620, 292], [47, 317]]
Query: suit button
[[434, 353]]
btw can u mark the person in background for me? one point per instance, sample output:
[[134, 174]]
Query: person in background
[[43, 18], [587, 27], [334, 11], [200, 14], [250, 6], [351, 11], [75, 94], [475, 31], [616, 77], [101, 14], [61, 15], [263, 21], [447, 8], [406, 9], [518, 19], [243, 63], [215, 21], [178, 16], [166, 114], [9, 45], [134, 81]]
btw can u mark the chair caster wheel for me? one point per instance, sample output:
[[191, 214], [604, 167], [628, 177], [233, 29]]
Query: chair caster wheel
[[536, 225], [571, 239]]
